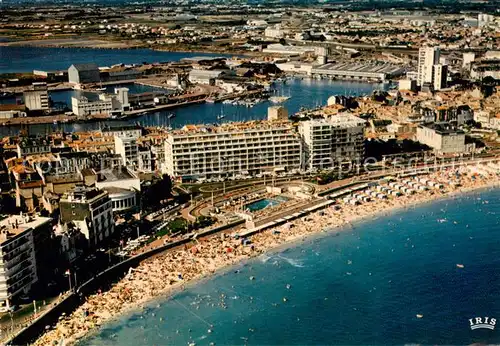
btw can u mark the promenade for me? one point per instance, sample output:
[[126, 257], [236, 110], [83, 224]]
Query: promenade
[[167, 272]]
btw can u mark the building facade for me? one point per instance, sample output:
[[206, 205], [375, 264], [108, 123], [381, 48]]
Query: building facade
[[92, 210], [33, 146], [232, 149], [128, 149], [427, 58], [83, 106], [442, 137], [439, 76], [84, 73], [331, 142], [22, 240], [277, 113], [37, 99], [122, 131]]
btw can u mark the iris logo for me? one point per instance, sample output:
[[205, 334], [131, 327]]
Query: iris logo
[[482, 323]]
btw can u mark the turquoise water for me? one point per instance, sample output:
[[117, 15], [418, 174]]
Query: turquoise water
[[263, 203], [364, 286]]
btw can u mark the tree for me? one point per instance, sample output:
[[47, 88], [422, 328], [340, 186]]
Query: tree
[[203, 221], [164, 187], [158, 191]]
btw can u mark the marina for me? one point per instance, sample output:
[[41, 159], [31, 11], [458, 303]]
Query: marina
[[305, 93]]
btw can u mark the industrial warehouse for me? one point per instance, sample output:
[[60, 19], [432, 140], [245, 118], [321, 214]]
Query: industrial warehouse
[[371, 71]]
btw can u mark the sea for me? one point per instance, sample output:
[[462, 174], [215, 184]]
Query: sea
[[26, 59], [389, 280], [307, 93]]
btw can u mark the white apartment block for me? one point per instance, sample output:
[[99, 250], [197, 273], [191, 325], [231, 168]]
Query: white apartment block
[[246, 148], [327, 143], [91, 210], [128, 149], [18, 260], [122, 131], [427, 58], [82, 106]]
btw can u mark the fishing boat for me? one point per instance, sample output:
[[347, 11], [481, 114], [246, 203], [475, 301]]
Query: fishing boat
[[278, 99], [6, 94], [100, 88]]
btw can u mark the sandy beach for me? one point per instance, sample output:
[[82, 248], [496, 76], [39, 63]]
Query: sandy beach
[[170, 271]]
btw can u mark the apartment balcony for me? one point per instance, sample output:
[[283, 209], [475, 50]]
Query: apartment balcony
[[27, 263], [14, 258]]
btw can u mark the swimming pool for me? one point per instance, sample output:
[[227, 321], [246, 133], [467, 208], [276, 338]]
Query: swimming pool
[[264, 203]]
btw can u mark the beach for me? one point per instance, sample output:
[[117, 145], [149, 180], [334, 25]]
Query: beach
[[171, 271]]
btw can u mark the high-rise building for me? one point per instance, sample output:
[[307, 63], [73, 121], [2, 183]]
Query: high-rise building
[[23, 241], [427, 57], [277, 113], [232, 149], [128, 149], [439, 76], [331, 142]]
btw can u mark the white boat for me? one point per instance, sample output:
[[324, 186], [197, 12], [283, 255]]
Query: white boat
[[278, 99]]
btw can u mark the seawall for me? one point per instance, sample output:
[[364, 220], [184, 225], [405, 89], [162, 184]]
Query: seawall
[[101, 281]]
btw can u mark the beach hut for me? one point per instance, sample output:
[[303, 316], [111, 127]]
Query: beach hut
[[423, 180]]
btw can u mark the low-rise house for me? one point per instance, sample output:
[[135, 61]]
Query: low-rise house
[[32, 146]]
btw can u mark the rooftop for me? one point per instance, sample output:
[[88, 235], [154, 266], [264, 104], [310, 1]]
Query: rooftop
[[82, 194], [345, 119], [444, 128], [198, 59], [86, 67], [17, 224], [121, 128], [231, 127], [33, 142], [114, 175], [362, 67]]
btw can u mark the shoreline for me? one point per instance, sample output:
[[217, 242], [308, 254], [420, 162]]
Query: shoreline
[[280, 241], [154, 301]]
